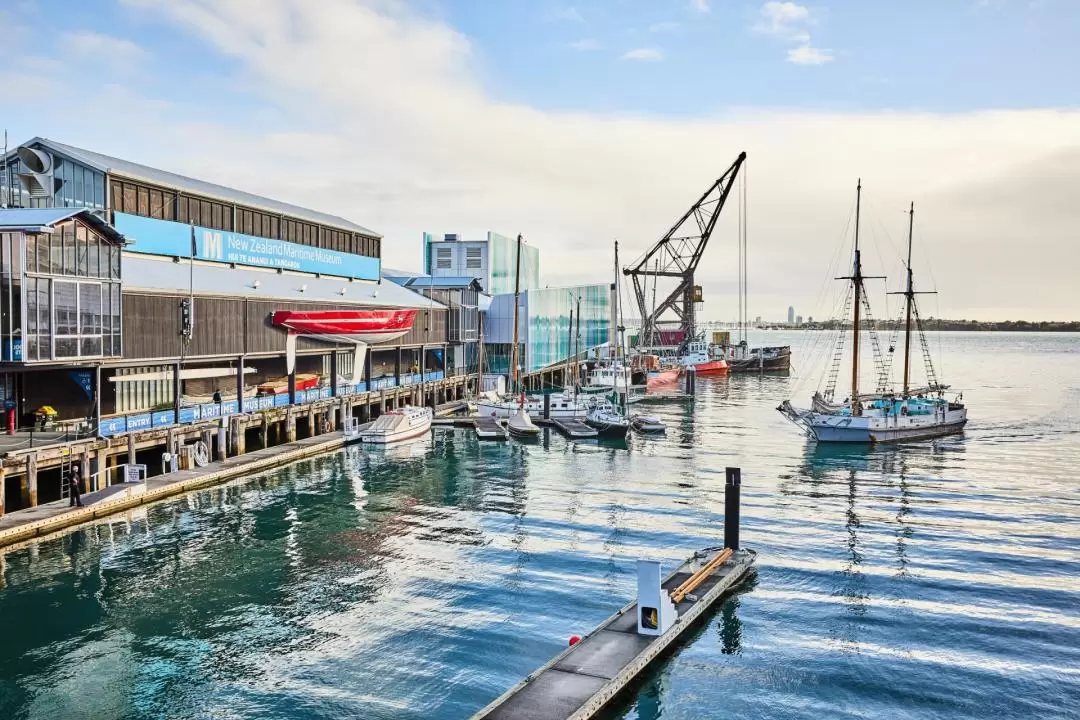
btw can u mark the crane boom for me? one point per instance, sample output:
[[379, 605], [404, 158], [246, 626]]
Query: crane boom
[[677, 254]]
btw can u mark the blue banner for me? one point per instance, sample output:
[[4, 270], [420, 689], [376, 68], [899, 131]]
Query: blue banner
[[85, 380], [112, 426], [139, 422], [163, 417], [164, 237]]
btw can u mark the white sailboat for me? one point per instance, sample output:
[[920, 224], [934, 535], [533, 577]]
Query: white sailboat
[[883, 416]]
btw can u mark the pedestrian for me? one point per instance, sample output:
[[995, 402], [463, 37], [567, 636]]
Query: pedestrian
[[75, 488]]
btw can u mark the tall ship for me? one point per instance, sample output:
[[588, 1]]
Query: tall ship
[[882, 416]]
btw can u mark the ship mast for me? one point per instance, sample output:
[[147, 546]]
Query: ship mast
[[517, 295], [856, 279], [909, 294]]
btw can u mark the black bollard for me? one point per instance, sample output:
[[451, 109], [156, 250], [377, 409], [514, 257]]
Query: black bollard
[[731, 507], [547, 406], [690, 380]]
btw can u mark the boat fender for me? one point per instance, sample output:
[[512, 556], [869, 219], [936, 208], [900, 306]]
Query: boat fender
[[574, 640]]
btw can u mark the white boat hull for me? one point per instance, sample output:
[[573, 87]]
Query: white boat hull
[[884, 429], [561, 409], [397, 426]]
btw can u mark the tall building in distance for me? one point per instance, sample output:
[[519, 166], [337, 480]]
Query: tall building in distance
[[492, 260], [791, 315], [798, 319]]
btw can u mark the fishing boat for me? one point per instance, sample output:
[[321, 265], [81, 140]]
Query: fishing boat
[[883, 416], [397, 425], [607, 420], [742, 359], [699, 357], [648, 424]]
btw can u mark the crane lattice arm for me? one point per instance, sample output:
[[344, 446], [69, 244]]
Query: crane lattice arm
[[677, 254]]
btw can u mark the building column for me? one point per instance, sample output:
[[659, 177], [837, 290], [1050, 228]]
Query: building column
[[239, 383], [264, 431], [334, 373], [176, 393], [97, 398], [3, 473], [31, 480], [131, 448], [290, 425], [397, 367], [292, 387], [84, 472]]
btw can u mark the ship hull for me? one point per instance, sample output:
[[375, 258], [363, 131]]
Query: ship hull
[[364, 326], [882, 430]]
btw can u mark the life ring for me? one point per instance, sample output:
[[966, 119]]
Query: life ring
[[201, 454]]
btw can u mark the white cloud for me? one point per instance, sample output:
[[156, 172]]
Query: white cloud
[[568, 14], [367, 145], [103, 48], [586, 44], [662, 27], [806, 55], [789, 22], [701, 6], [645, 54]]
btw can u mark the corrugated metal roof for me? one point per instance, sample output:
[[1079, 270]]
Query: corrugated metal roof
[[36, 218], [425, 281], [109, 164], [146, 273]]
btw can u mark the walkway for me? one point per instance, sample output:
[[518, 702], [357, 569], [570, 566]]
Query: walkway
[[51, 517]]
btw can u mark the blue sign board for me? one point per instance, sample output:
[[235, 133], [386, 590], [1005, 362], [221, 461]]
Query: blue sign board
[[112, 426], [139, 422], [164, 237], [85, 380], [163, 417], [189, 414]]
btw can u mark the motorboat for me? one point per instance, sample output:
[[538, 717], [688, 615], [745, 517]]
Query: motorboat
[[351, 432], [397, 425], [648, 424], [608, 420]]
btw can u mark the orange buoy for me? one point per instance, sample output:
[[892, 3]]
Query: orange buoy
[[575, 639]]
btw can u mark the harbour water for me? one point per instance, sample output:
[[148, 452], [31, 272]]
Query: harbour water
[[928, 580]]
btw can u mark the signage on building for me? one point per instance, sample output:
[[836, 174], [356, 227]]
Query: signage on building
[[85, 380], [164, 237]]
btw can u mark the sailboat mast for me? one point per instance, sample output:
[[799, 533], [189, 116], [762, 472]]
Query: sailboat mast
[[615, 330], [856, 278], [517, 297], [910, 296]]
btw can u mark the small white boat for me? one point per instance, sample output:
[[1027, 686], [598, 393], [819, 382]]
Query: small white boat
[[351, 431], [649, 424], [521, 425], [397, 425]]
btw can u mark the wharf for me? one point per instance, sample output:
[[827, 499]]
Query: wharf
[[489, 428], [574, 429], [51, 517], [582, 680]]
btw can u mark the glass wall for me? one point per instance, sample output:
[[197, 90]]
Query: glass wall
[[79, 186], [72, 294], [502, 262]]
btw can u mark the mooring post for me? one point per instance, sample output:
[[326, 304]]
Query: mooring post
[[732, 490], [547, 406]]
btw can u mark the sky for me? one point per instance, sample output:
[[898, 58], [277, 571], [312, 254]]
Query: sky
[[580, 123]]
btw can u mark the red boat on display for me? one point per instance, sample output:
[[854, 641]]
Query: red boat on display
[[364, 326]]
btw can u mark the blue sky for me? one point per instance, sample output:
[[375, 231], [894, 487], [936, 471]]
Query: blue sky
[[579, 122]]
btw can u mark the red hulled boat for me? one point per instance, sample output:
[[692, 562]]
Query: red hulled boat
[[364, 326]]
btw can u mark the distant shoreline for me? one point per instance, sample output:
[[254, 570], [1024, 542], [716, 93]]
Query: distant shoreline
[[947, 325]]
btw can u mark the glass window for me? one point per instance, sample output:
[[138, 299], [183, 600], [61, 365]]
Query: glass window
[[156, 203], [275, 227], [90, 346], [93, 247], [99, 190], [70, 251], [205, 213], [168, 208], [215, 216], [114, 262], [65, 307], [66, 347], [115, 309], [144, 201], [82, 251], [89, 309], [131, 200]]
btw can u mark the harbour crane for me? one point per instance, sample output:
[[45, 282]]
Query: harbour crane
[[676, 255]]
